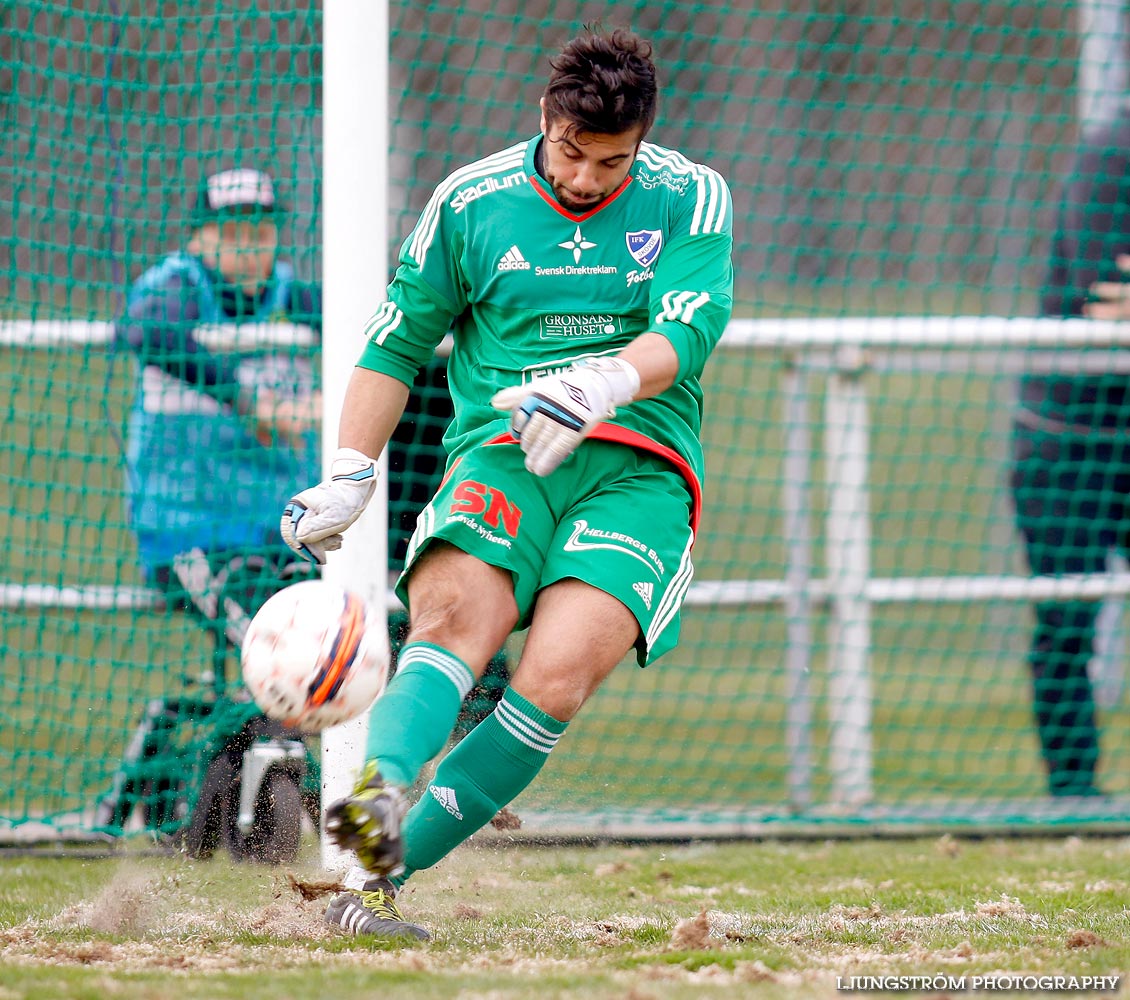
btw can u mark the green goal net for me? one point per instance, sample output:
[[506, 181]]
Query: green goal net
[[860, 644]]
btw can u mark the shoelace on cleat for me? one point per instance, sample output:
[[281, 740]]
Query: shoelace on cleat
[[382, 903]]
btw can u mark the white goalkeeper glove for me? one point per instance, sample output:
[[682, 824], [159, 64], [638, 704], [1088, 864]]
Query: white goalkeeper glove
[[312, 522], [553, 414]]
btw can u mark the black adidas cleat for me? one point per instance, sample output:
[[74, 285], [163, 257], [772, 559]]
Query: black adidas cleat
[[368, 823], [373, 910]]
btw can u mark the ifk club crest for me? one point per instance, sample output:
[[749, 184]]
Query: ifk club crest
[[644, 245]]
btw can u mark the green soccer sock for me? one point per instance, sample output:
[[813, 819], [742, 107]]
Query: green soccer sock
[[487, 770], [410, 723]]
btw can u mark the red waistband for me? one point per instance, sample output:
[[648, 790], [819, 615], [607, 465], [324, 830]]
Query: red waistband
[[641, 442]]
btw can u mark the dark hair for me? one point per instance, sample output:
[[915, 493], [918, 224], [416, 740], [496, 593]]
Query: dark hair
[[602, 83]]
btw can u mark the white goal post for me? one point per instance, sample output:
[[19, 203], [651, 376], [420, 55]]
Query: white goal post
[[355, 265]]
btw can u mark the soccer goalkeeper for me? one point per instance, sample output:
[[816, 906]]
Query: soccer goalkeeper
[[587, 276]]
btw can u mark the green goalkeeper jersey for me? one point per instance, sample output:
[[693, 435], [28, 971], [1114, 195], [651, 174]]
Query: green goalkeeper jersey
[[528, 288]]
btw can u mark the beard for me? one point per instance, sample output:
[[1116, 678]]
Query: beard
[[571, 202]]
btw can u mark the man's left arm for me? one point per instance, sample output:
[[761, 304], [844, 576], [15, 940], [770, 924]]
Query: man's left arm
[[689, 313], [550, 416], [692, 297]]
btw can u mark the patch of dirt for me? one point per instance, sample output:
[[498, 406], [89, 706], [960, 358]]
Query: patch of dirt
[[1080, 938], [131, 955], [170, 930], [692, 934], [289, 919], [506, 819], [192, 955], [463, 911], [309, 889], [947, 847], [607, 936], [612, 868], [853, 913], [131, 903], [1107, 885], [695, 890]]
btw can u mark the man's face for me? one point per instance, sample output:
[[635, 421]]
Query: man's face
[[243, 250], [584, 168]]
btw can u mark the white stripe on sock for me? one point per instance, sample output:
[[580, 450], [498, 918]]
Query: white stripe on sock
[[451, 667], [524, 729]]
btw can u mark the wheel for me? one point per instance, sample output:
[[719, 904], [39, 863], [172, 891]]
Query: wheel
[[277, 831], [201, 836]]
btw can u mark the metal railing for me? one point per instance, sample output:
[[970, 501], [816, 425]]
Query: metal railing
[[841, 351]]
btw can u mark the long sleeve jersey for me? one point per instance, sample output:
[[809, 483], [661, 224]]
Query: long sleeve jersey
[[529, 288]]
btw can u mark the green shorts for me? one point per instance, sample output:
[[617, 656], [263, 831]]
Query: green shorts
[[611, 516]]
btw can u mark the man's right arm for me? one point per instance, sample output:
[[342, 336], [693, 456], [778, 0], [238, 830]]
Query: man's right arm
[[401, 337], [373, 405], [425, 296]]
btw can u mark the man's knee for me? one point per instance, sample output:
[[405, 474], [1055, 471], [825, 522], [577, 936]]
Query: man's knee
[[561, 699], [460, 601], [557, 687]]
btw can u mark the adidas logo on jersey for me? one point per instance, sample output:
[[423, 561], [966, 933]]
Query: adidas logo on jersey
[[513, 260], [645, 590], [446, 798]]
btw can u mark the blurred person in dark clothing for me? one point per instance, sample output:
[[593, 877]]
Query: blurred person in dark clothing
[[1071, 454]]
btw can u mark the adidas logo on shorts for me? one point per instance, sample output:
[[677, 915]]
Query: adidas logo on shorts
[[513, 260]]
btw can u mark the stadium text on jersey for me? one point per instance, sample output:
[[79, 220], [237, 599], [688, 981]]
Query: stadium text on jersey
[[464, 197]]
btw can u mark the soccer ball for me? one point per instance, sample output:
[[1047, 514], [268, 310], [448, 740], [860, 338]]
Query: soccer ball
[[315, 655]]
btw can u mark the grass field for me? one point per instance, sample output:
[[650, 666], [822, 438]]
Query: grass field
[[646, 922]]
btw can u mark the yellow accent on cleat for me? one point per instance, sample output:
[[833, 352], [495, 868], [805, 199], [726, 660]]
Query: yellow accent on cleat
[[368, 823]]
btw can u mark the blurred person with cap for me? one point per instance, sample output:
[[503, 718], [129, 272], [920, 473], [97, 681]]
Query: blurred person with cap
[[221, 429], [222, 424]]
